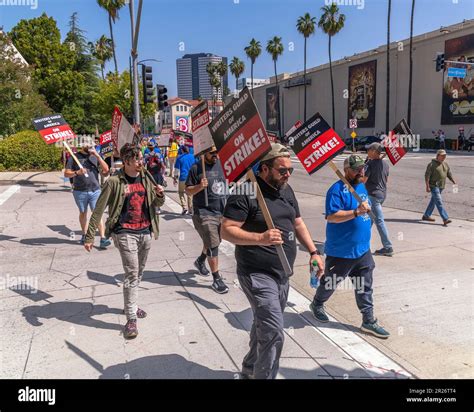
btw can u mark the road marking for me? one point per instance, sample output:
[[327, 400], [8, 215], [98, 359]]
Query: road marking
[[8, 193], [370, 358]]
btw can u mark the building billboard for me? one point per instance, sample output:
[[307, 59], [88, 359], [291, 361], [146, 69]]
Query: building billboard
[[273, 109], [458, 92], [361, 103]]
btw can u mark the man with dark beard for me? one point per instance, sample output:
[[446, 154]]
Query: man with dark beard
[[259, 269], [347, 247]]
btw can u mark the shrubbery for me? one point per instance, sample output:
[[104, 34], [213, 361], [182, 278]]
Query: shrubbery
[[27, 151]]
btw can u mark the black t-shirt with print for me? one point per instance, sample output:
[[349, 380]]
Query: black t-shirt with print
[[216, 189], [83, 183], [135, 216], [284, 209]]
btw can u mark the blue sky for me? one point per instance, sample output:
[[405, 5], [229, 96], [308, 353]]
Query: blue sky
[[225, 27]]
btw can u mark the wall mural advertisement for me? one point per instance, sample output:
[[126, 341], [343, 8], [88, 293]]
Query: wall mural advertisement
[[458, 92], [361, 103]]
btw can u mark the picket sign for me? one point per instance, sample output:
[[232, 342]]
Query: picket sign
[[269, 221]]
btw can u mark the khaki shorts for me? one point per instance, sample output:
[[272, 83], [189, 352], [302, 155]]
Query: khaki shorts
[[209, 228]]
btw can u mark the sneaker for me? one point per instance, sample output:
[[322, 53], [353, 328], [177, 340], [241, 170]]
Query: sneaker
[[428, 219], [319, 313], [375, 329], [219, 286], [83, 239], [446, 222], [385, 251], [246, 376], [140, 313], [130, 331], [104, 243], [184, 212], [201, 267]]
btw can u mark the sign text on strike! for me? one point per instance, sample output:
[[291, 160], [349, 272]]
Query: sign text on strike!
[[244, 148]]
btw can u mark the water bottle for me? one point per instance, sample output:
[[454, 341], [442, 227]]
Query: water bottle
[[314, 281]]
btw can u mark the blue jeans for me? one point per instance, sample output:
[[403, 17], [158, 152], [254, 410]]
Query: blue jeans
[[436, 200], [86, 199], [379, 221]]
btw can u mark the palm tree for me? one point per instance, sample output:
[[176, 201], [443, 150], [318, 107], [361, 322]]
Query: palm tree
[[237, 67], [252, 51], [387, 102], [305, 26], [112, 7], [102, 50], [411, 62], [221, 69], [331, 22], [275, 49], [215, 82]]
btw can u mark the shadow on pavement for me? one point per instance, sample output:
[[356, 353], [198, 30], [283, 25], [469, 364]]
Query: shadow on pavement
[[79, 313], [185, 279], [170, 366], [197, 299]]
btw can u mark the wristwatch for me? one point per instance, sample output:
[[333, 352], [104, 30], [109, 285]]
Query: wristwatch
[[355, 213], [314, 252]]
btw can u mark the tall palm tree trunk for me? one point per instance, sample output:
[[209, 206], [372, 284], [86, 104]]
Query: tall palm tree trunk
[[102, 69], [113, 43], [304, 79], [278, 95], [387, 104], [410, 76], [332, 86], [251, 78]]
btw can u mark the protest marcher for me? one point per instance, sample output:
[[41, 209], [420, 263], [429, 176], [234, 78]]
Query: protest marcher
[[207, 219], [442, 139], [172, 154], [86, 189], [259, 269], [461, 138], [182, 166], [435, 178], [155, 164], [131, 197], [375, 179], [143, 145], [347, 247], [151, 149]]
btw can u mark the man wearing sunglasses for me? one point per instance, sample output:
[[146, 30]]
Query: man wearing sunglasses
[[259, 269], [347, 247], [207, 218]]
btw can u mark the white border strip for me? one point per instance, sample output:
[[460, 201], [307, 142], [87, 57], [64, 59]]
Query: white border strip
[[8, 193], [376, 364]]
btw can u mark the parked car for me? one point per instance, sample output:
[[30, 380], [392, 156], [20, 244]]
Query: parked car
[[361, 143]]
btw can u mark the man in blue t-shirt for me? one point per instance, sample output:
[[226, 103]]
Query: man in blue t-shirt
[[182, 167], [347, 247]]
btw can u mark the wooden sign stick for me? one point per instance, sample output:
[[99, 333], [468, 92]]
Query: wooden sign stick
[[333, 166], [74, 157], [269, 221], [203, 164]]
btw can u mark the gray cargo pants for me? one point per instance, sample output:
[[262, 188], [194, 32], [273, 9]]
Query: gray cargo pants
[[267, 299], [133, 250]]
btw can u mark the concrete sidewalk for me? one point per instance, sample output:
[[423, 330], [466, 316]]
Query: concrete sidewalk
[[61, 308]]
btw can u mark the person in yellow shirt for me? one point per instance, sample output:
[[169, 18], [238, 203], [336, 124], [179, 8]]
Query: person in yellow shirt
[[172, 154]]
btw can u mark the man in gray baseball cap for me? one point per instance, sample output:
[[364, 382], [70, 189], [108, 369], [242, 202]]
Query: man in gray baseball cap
[[375, 179]]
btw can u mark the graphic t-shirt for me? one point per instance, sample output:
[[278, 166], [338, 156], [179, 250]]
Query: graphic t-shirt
[[135, 216]]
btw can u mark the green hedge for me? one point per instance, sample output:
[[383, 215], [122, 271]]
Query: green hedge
[[26, 150]]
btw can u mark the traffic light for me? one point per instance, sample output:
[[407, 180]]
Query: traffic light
[[147, 80], [162, 97], [440, 62]]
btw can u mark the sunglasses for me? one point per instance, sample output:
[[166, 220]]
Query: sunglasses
[[284, 170]]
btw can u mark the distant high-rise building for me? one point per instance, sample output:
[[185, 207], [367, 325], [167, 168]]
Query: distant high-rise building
[[193, 79]]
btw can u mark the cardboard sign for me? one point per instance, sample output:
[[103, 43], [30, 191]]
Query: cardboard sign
[[240, 136], [53, 128], [272, 136], [315, 143], [122, 130], [106, 144], [395, 151], [184, 138], [163, 140], [200, 120]]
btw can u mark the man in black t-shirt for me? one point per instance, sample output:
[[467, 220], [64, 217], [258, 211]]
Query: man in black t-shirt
[[259, 269], [207, 219]]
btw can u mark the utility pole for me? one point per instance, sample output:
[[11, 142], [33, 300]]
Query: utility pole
[[135, 29]]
